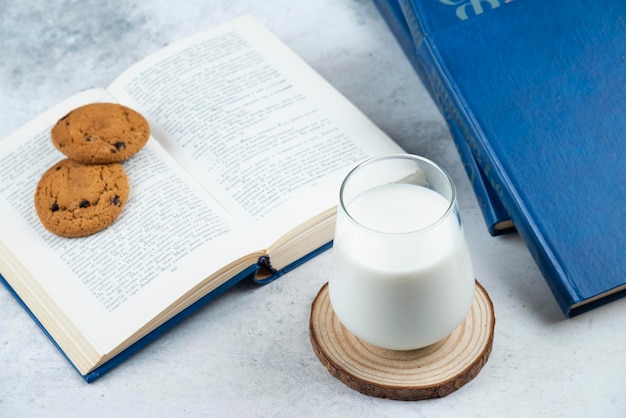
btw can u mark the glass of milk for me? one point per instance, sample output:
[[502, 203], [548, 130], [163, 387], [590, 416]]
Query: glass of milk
[[403, 276]]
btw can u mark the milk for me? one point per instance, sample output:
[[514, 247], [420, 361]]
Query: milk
[[403, 277]]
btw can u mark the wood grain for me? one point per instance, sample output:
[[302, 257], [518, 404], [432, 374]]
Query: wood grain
[[431, 372]]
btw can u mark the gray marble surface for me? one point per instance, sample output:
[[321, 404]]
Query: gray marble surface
[[248, 352]]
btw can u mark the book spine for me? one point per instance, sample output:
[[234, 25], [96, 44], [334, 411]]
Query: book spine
[[453, 108], [494, 213]]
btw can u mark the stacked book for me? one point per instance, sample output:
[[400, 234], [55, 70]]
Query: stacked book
[[534, 96]]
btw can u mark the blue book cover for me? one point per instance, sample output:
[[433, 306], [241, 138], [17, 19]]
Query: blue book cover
[[109, 365], [536, 89], [260, 273], [496, 217]]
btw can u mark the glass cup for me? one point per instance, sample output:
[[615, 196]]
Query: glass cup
[[403, 276]]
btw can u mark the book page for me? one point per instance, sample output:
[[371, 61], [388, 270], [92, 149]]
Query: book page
[[252, 123], [170, 236]]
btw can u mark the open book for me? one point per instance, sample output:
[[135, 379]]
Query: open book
[[240, 179]]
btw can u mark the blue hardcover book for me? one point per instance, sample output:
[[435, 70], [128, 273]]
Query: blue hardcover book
[[494, 213], [536, 89], [239, 180]]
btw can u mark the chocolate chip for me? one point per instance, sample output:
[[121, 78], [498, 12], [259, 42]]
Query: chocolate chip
[[115, 200], [88, 139], [119, 145], [54, 207], [83, 204]]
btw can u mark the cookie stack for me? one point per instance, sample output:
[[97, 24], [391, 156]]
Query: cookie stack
[[86, 192]]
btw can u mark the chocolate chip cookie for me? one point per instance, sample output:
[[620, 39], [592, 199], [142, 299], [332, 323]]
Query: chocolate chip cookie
[[73, 199], [100, 133]]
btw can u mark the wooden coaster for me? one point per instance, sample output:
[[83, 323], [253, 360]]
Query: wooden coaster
[[431, 372]]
